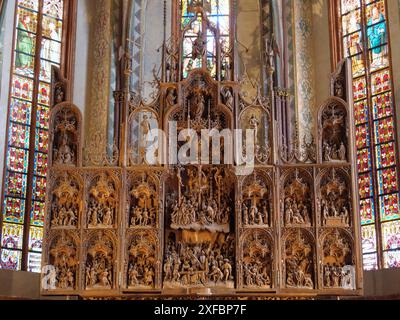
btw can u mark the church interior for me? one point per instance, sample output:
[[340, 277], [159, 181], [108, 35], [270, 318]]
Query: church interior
[[199, 148]]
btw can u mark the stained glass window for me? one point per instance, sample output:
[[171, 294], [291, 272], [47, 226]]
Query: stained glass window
[[365, 41], [38, 32], [218, 12]]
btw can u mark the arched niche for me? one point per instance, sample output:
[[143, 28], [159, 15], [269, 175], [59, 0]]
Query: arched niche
[[334, 198], [257, 260], [143, 203], [66, 200], [299, 254], [333, 132], [61, 262], [338, 260], [257, 207], [297, 198], [143, 138], [100, 268], [65, 136], [258, 119], [143, 266], [102, 201]]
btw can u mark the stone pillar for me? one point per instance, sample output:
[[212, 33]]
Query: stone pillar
[[98, 84], [305, 83]]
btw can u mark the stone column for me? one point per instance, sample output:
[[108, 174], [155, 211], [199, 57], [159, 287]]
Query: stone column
[[98, 84], [305, 83]]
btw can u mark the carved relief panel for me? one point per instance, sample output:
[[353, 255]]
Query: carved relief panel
[[256, 263], [334, 132], [257, 201], [142, 261], [199, 240], [338, 262], [66, 200], [65, 135], [335, 199], [63, 258], [299, 259], [100, 268], [143, 203], [297, 201], [102, 201]]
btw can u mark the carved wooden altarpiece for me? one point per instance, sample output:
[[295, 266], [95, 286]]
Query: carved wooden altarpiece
[[137, 224]]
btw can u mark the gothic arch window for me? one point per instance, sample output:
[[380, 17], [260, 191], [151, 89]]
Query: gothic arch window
[[219, 14], [362, 35], [40, 42]]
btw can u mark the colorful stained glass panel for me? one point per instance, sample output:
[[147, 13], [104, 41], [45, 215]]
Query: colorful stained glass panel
[[19, 136], [391, 259], [39, 188], [16, 184], [17, 160], [42, 117], [361, 112], [384, 130], [53, 8], [353, 44], [20, 111], [382, 105], [364, 160], [42, 140], [359, 89], [375, 14], [365, 185], [12, 236], [352, 22], [10, 260], [35, 239], [385, 155], [26, 22], [37, 214], [380, 82], [34, 262], [349, 5], [362, 136], [44, 94], [358, 66], [52, 29], [389, 207], [391, 235], [40, 167], [29, 4], [22, 88], [14, 210], [370, 261], [387, 181], [367, 211], [368, 238], [378, 58]]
